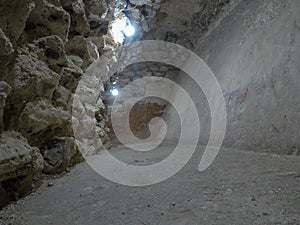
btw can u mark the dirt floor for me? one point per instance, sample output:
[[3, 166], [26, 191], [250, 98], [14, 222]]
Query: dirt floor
[[239, 188]]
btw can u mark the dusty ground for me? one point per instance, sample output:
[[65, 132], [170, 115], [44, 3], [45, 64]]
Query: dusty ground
[[239, 188]]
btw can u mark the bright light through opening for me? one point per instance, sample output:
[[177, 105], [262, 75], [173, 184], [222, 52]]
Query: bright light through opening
[[115, 92], [120, 28], [129, 30]]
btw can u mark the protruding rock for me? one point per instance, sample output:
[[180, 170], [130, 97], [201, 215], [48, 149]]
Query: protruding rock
[[18, 163], [79, 23], [99, 42], [40, 122], [84, 48], [4, 91], [33, 80], [98, 25], [14, 14], [96, 7], [17, 158], [51, 51], [6, 58], [55, 2], [62, 98], [70, 77], [140, 2], [46, 20], [6, 51], [59, 154], [75, 60]]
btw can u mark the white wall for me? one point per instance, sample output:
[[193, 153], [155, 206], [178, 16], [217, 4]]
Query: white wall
[[255, 55]]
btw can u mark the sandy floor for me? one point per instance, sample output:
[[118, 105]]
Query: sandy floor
[[239, 188]]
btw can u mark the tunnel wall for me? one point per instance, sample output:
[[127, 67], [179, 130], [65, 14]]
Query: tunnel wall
[[254, 53]]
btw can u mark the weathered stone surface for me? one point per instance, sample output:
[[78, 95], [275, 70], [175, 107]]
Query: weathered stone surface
[[62, 97], [18, 163], [103, 121], [84, 121], [17, 158], [84, 48], [140, 2], [7, 55], [15, 188], [98, 25], [60, 154], [99, 42], [96, 12], [75, 60], [40, 122], [46, 20], [51, 51], [55, 2], [79, 23], [14, 14], [96, 7], [33, 80], [4, 91], [70, 77], [6, 52]]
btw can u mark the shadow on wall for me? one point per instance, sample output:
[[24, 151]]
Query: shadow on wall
[[139, 118]]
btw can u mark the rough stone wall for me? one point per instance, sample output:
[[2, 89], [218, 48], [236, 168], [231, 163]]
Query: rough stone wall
[[44, 50], [45, 47], [254, 54]]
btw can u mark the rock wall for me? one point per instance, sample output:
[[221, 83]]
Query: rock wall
[[18, 163], [254, 54], [45, 47], [44, 50]]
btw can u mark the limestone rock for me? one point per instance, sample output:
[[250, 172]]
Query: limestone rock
[[70, 77], [109, 42], [40, 122], [6, 51], [75, 60], [14, 14], [98, 25], [51, 51], [33, 80], [60, 154], [140, 2], [17, 158], [96, 7], [99, 42], [85, 49], [18, 164], [96, 11], [4, 91], [62, 98], [46, 20], [15, 188], [55, 2], [79, 23]]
